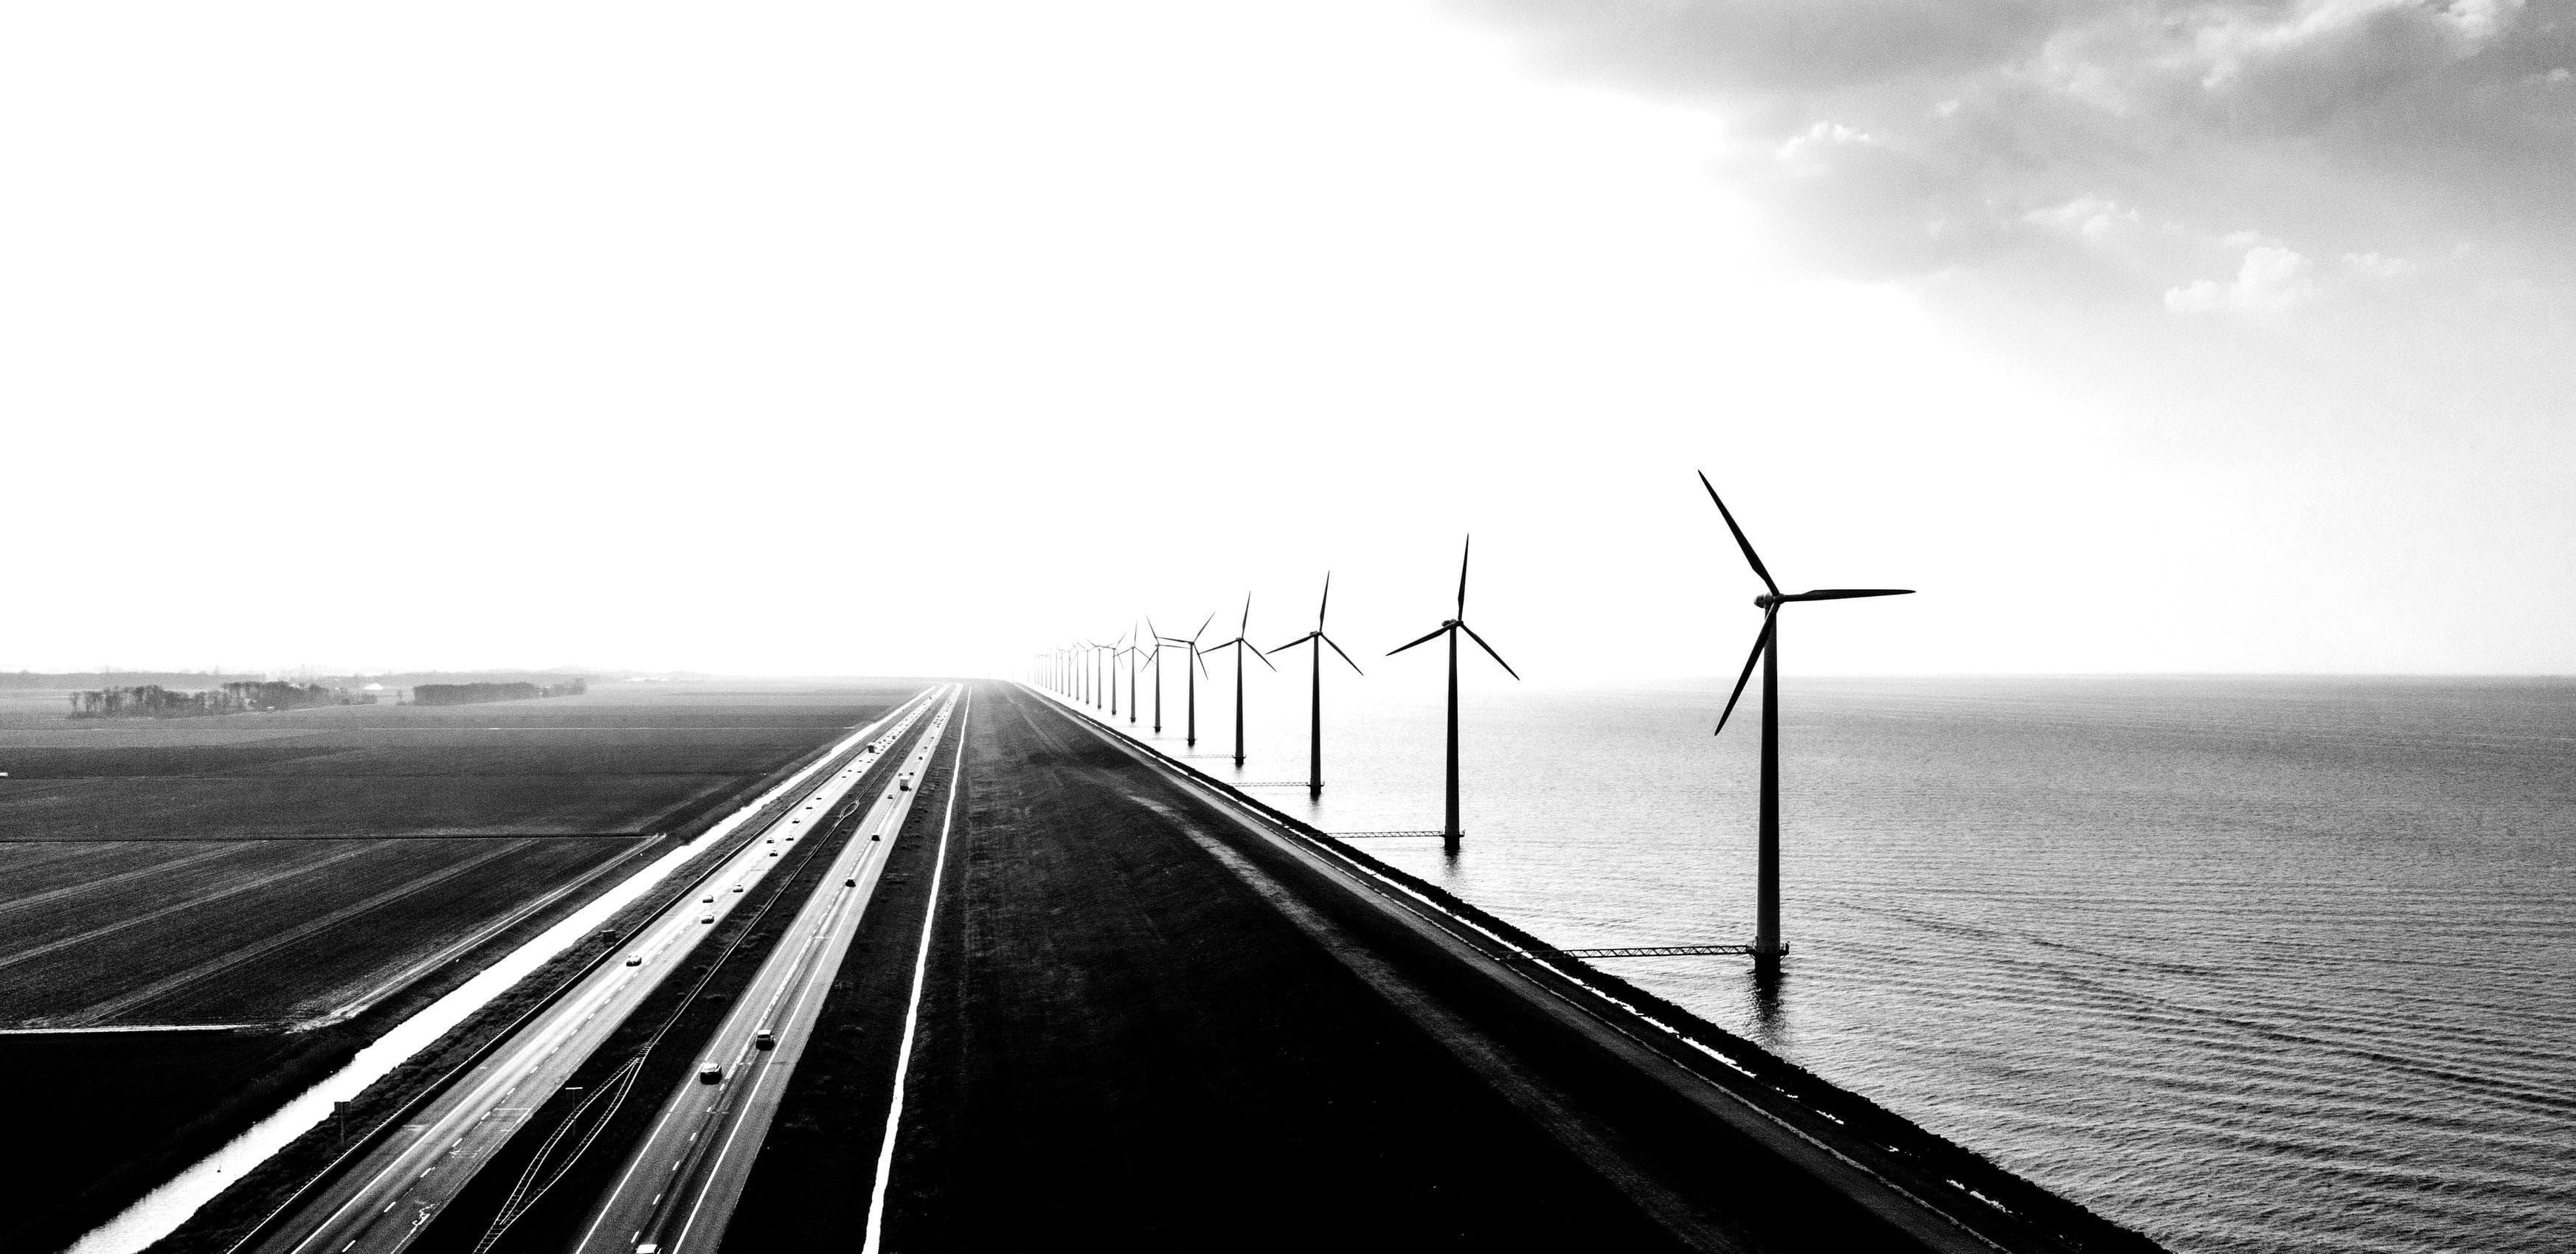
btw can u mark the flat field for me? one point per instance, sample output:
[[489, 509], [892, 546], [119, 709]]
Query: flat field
[[276, 869], [624, 760], [251, 932]]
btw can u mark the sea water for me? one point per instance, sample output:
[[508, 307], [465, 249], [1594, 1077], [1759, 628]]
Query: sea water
[[2243, 963]]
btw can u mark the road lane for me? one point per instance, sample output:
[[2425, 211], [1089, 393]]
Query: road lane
[[383, 1202], [678, 1188]]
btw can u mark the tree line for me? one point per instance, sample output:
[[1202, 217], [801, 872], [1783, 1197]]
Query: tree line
[[155, 701], [471, 694]]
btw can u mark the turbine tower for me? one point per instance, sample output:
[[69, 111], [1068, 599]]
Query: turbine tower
[[1192, 672], [1132, 652], [1449, 833], [1107, 656], [1315, 724], [1239, 644], [1766, 650], [1157, 651]]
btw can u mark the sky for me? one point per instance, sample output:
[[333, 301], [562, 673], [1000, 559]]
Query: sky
[[913, 339]]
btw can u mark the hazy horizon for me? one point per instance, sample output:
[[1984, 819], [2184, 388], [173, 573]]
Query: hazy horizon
[[797, 339]]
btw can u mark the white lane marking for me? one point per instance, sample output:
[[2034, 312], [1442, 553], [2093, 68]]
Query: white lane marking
[[504, 1062], [750, 853], [912, 1013]]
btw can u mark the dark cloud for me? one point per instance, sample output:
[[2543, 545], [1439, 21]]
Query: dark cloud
[[1727, 48], [1895, 138]]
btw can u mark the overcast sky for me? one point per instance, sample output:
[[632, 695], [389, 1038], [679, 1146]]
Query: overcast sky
[[910, 339]]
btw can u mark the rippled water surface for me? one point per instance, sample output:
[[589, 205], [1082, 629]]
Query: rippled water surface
[[2247, 964]]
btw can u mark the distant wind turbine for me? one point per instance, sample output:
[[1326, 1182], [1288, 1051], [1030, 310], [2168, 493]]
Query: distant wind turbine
[[1766, 650], [1240, 644], [1108, 655], [1192, 672], [1132, 652], [1159, 645], [1315, 724], [1449, 834]]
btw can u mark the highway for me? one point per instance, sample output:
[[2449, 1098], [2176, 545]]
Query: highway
[[678, 1188], [382, 1202]]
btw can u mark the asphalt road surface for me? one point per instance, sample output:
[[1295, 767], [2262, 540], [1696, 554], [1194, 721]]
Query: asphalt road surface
[[677, 1190], [384, 1201]]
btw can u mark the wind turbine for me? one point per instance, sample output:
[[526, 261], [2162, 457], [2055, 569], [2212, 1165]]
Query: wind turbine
[[1131, 653], [1315, 724], [1157, 651], [1192, 672], [1239, 644], [1766, 650], [1449, 834], [1108, 655]]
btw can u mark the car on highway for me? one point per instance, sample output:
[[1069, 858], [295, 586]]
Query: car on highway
[[709, 919], [763, 1040], [737, 888], [635, 960], [849, 883], [711, 1073], [710, 899]]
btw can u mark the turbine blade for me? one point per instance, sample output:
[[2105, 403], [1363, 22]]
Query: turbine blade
[[1246, 628], [1845, 594], [1761, 641], [1355, 667], [1326, 603], [1294, 643], [1265, 660], [1151, 631], [1463, 551], [1489, 650], [1203, 626], [1433, 636], [1740, 541]]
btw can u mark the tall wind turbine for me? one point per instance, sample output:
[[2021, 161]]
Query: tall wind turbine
[[1239, 644], [1157, 651], [1108, 655], [1449, 833], [1132, 652], [1192, 672], [1766, 650], [1315, 736]]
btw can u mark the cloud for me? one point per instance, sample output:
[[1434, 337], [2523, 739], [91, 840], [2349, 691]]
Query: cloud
[[2092, 219], [2374, 266], [1901, 138], [2273, 280]]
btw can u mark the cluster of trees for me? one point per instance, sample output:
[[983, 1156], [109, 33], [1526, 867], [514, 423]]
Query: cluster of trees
[[155, 701], [469, 694]]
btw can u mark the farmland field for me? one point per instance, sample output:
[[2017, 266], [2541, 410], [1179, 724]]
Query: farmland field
[[276, 869], [303, 879], [187, 932]]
